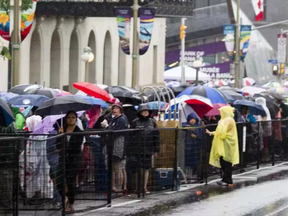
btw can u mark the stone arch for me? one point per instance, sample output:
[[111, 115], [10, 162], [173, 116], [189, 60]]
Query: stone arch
[[35, 58], [55, 60], [107, 66], [92, 65], [73, 60]]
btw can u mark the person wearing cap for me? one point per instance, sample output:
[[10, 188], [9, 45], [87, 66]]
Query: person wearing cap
[[149, 137], [119, 122]]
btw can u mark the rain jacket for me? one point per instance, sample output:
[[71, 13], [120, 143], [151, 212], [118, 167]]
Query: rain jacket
[[225, 142], [266, 125], [19, 118]]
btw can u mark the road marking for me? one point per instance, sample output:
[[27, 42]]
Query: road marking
[[105, 208], [279, 210]]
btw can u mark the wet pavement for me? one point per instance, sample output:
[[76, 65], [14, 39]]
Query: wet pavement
[[266, 199]]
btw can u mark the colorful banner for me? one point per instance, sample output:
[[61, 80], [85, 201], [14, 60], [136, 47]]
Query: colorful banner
[[229, 32], [146, 27], [27, 18], [282, 44], [4, 25], [123, 21], [245, 35]]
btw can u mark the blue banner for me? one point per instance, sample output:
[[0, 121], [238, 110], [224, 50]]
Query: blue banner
[[245, 35]]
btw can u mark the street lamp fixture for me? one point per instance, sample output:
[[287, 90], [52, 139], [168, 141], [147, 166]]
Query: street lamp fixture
[[197, 64], [87, 57]]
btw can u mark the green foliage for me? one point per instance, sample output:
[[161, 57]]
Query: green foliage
[[4, 53], [5, 5]]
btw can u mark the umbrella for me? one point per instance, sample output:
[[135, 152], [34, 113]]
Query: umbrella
[[251, 90], [248, 81], [271, 85], [154, 105], [62, 105], [92, 90], [280, 90], [125, 95], [48, 92], [276, 95], [21, 89], [95, 101], [177, 90], [28, 100], [213, 94], [199, 104], [6, 115], [47, 123], [215, 111], [7, 95], [173, 84], [254, 109], [230, 89], [232, 95], [266, 95], [220, 83]]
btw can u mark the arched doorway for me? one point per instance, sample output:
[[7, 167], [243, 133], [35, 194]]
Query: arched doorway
[[107, 59], [55, 60], [73, 61], [35, 58], [92, 65]]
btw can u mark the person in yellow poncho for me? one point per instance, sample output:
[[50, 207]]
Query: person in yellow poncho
[[225, 152]]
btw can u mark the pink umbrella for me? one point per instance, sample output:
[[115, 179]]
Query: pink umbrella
[[215, 111], [220, 83], [248, 81]]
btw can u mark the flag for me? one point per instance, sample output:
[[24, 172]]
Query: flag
[[245, 34], [259, 9], [146, 27], [229, 32]]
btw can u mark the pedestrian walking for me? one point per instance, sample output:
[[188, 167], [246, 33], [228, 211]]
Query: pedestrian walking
[[225, 151]]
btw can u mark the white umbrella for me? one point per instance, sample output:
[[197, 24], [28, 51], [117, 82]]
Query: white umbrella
[[220, 83], [190, 74], [285, 84], [251, 90], [248, 81]]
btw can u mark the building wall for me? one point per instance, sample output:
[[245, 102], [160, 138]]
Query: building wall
[[51, 53]]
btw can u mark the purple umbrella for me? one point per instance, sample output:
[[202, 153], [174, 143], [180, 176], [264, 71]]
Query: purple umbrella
[[47, 123]]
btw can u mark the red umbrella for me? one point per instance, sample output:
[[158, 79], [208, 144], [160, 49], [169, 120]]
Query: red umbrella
[[92, 90]]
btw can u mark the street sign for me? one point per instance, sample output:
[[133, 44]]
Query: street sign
[[273, 61]]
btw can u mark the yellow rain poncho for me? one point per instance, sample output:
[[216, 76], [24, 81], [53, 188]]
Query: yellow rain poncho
[[225, 142]]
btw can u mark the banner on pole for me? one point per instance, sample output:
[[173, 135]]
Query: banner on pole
[[245, 35], [27, 18], [282, 43], [4, 25], [146, 27], [123, 16], [229, 33]]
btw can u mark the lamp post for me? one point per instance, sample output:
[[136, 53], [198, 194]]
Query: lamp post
[[87, 57], [197, 64]]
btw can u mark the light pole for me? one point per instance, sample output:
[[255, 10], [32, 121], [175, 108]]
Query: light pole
[[87, 57], [197, 64], [135, 52], [237, 35]]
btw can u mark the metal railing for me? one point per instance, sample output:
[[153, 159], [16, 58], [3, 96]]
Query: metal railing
[[39, 171]]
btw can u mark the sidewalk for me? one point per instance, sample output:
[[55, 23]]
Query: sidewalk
[[157, 203]]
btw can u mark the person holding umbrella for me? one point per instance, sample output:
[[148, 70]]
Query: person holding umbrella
[[73, 156], [225, 151]]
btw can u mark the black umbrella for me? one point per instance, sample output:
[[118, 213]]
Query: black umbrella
[[125, 94], [48, 92], [265, 95], [178, 89], [62, 105], [23, 89], [6, 115], [276, 95]]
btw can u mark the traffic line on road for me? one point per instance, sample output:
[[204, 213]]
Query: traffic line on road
[[279, 210]]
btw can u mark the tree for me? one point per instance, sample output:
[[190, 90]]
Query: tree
[[5, 5]]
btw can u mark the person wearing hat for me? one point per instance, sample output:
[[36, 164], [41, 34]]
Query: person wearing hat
[[118, 122], [149, 137]]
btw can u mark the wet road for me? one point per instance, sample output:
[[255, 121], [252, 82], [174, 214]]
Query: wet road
[[267, 199]]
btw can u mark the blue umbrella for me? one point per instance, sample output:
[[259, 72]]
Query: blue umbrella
[[254, 109], [213, 94], [28, 100], [95, 101], [7, 95], [155, 105]]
